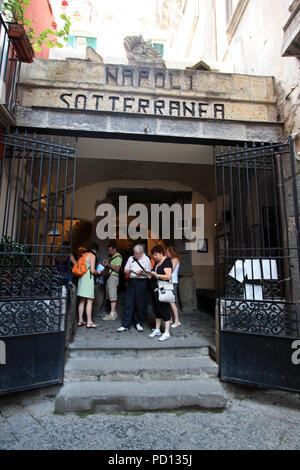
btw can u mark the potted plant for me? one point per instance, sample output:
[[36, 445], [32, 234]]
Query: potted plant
[[12, 253], [22, 33]]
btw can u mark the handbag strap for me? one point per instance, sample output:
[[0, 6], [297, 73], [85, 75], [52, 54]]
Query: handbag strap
[[137, 261], [161, 279], [85, 255], [110, 271], [116, 256]]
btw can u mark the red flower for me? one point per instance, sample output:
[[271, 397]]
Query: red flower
[[64, 4], [54, 25]]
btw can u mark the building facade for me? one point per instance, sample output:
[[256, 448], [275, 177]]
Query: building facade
[[174, 136], [238, 36]]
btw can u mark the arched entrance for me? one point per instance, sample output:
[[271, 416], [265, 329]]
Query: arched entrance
[[118, 137]]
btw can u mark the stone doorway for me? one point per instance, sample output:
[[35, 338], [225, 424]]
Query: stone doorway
[[150, 173]]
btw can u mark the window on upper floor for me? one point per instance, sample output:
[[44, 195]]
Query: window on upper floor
[[158, 45], [230, 7], [92, 42], [234, 11], [228, 10], [72, 41], [82, 41]]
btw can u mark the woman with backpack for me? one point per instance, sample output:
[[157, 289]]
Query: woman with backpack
[[85, 289]]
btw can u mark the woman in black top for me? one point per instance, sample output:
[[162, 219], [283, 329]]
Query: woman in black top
[[161, 271]]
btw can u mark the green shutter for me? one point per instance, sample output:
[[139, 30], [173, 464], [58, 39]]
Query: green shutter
[[72, 41], [91, 42], [160, 47]]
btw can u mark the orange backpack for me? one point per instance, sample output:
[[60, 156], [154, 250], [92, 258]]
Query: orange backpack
[[79, 269]]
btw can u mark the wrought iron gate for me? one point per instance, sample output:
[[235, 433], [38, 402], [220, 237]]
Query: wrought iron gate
[[36, 187], [257, 252]]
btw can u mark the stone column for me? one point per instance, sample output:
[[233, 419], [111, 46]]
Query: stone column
[[186, 284]]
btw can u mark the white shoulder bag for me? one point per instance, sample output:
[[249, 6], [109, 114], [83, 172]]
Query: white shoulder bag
[[166, 292]]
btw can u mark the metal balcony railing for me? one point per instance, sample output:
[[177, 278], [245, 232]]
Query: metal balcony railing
[[10, 66]]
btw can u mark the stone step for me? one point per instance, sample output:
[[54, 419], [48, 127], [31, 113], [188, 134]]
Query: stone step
[[135, 396], [126, 369], [137, 352]]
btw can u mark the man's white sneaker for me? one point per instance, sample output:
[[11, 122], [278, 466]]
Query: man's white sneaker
[[155, 333], [139, 327], [164, 337], [122, 328]]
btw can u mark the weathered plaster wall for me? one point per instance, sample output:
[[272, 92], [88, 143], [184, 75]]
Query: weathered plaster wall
[[256, 48], [85, 199], [41, 13]]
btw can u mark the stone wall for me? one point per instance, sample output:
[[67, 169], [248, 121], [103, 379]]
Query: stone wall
[[81, 95]]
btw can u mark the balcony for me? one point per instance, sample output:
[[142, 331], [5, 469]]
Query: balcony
[[10, 65], [291, 39]]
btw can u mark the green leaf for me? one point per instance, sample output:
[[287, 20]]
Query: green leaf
[[36, 47], [15, 10]]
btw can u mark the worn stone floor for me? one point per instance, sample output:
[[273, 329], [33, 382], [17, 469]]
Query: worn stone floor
[[197, 329], [255, 419]]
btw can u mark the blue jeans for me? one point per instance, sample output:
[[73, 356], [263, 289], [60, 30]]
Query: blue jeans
[[136, 302]]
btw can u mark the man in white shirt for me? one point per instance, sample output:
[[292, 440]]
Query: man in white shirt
[[136, 300]]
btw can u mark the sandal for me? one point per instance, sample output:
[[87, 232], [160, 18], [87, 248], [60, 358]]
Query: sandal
[[92, 325], [81, 323]]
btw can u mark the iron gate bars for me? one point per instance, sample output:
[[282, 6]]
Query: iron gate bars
[[257, 239], [36, 211]]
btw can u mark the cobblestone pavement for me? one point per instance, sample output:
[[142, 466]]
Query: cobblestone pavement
[[254, 419]]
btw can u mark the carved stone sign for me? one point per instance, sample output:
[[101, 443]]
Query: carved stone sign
[[146, 77], [86, 86], [141, 105]]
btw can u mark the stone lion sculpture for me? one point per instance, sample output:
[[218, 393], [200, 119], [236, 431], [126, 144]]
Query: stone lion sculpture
[[140, 53]]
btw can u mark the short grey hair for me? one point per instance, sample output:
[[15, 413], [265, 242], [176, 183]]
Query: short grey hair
[[138, 248]]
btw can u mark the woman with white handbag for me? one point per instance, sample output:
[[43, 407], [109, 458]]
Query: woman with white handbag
[[162, 292]]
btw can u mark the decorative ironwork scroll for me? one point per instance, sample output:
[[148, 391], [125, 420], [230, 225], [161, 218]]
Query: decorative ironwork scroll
[[257, 239], [35, 233]]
